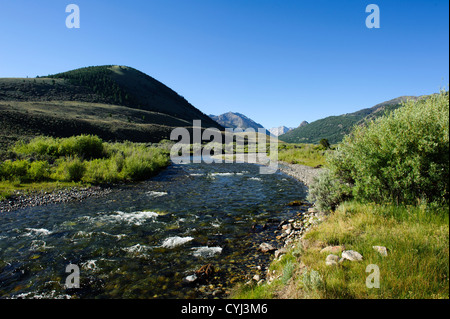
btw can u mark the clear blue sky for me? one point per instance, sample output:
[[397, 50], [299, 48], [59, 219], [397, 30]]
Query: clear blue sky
[[277, 61]]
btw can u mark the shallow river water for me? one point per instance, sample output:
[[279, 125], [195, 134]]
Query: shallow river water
[[143, 240]]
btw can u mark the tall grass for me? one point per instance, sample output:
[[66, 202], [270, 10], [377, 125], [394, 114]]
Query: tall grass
[[303, 154], [417, 265]]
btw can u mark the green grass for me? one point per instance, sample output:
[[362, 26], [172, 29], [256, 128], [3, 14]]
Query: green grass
[[417, 265], [303, 154]]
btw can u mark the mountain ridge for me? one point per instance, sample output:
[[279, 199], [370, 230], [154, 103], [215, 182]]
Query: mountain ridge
[[334, 128], [114, 102]]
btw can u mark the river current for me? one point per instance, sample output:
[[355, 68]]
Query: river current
[[143, 240]]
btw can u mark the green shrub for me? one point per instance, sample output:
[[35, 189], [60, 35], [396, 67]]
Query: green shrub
[[84, 158], [40, 145], [38, 171], [137, 167], [12, 170], [324, 143], [401, 157], [82, 146], [102, 171], [69, 169], [327, 192]]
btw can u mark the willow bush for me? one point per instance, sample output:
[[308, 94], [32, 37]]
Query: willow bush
[[84, 158], [401, 157]]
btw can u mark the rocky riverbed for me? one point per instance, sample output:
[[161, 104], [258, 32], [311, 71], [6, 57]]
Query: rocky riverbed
[[20, 200], [286, 234], [304, 174], [291, 230]]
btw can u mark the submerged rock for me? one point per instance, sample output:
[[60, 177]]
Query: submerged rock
[[191, 279], [295, 203], [266, 247]]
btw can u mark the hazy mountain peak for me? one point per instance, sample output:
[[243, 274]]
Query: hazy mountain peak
[[280, 130], [236, 120]]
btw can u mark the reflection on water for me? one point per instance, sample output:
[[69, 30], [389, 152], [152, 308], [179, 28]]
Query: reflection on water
[[143, 240]]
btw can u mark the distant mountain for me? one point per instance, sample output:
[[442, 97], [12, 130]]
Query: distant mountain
[[114, 102], [334, 128], [236, 120], [277, 131]]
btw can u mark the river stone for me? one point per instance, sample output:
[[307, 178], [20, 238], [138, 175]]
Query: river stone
[[333, 249], [331, 260], [190, 279], [279, 252], [351, 255], [381, 250], [266, 247]]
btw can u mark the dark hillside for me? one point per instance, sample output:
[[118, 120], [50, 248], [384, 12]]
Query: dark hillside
[[116, 103]]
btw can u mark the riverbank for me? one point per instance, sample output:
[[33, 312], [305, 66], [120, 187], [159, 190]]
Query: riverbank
[[20, 200], [363, 251], [302, 173]]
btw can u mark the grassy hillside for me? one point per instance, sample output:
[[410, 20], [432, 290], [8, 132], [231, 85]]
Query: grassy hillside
[[113, 102], [334, 128]]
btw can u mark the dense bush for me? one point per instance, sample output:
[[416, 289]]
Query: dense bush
[[38, 171], [83, 158], [14, 169], [327, 191], [82, 146], [69, 169], [401, 157]]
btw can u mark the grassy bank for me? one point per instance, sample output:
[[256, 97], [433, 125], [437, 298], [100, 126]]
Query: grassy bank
[[417, 265], [47, 163], [303, 154]]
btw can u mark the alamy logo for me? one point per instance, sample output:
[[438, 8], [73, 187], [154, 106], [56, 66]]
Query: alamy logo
[[373, 279], [231, 146], [73, 280], [373, 19], [73, 19]]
